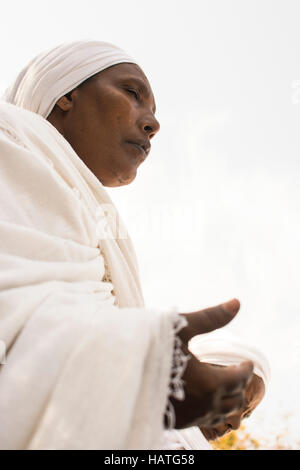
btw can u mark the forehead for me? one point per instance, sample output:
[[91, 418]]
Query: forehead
[[126, 71], [122, 71]]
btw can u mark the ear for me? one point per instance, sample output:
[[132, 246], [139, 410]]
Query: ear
[[65, 102]]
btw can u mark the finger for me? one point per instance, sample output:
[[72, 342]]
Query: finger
[[212, 318], [236, 378]]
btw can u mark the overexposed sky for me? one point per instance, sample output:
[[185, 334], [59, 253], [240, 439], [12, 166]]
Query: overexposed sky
[[214, 211]]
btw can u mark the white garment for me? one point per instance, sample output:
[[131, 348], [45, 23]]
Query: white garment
[[185, 439], [80, 373], [67, 205], [50, 75], [55, 72]]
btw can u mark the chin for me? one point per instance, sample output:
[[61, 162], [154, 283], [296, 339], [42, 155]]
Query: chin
[[123, 180], [117, 181], [121, 177]]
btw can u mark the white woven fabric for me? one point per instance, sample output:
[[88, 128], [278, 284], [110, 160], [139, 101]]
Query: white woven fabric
[[185, 439], [55, 72], [69, 205], [87, 366]]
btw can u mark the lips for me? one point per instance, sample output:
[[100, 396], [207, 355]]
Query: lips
[[143, 147]]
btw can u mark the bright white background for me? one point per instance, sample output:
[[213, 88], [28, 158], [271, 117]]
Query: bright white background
[[214, 210]]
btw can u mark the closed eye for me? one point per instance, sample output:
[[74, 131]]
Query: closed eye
[[134, 92]]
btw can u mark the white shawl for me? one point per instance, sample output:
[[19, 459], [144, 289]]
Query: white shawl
[[87, 367]]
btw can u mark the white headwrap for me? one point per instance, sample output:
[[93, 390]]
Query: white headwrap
[[222, 348], [55, 72]]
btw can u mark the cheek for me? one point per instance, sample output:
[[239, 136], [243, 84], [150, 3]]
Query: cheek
[[120, 112], [122, 121]]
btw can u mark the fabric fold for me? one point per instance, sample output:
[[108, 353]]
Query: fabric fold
[[87, 365]]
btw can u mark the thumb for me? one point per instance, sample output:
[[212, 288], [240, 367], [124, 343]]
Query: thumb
[[209, 319]]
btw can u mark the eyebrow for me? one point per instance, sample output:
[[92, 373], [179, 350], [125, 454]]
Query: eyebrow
[[141, 86]]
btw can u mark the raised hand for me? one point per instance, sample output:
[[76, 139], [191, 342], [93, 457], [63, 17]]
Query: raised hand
[[211, 393], [208, 319]]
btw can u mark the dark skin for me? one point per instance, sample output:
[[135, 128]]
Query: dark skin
[[104, 114], [254, 393], [109, 121], [211, 393]]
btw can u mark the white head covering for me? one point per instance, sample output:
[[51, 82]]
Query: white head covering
[[222, 348], [57, 71]]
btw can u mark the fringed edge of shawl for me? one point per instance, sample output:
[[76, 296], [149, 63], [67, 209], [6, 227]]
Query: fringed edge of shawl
[[179, 363]]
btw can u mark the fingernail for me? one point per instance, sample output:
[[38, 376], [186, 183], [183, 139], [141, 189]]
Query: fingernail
[[232, 306]]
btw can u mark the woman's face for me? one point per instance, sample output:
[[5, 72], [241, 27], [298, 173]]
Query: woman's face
[[109, 121], [253, 395]]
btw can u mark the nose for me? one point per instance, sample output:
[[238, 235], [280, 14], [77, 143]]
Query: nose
[[233, 422], [150, 125]]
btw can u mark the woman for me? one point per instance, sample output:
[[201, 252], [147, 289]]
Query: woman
[[88, 366]]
